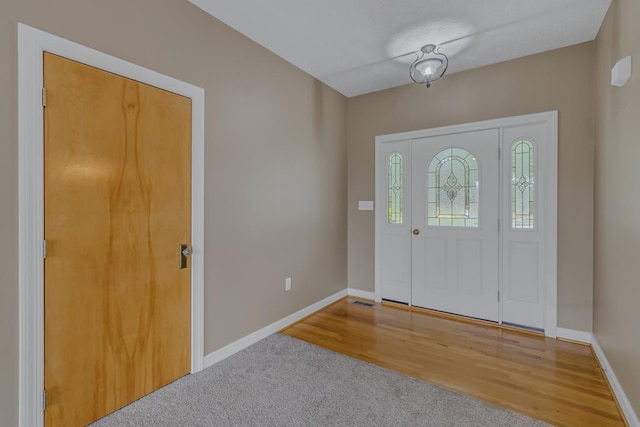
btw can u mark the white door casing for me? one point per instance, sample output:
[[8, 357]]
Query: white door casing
[[521, 252], [32, 43], [455, 199]]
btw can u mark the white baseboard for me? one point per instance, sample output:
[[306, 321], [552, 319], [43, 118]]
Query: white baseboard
[[242, 343], [625, 404], [574, 335], [361, 294]]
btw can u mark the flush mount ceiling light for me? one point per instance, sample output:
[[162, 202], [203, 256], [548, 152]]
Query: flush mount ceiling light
[[429, 66]]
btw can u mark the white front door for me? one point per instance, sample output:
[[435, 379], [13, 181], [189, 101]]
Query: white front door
[[440, 194], [455, 209]]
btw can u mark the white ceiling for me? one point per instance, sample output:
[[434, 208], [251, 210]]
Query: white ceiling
[[362, 46]]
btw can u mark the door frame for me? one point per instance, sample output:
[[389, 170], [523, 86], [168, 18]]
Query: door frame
[[31, 45], [550, 247]]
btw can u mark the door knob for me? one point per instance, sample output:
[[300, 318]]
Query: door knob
[[416, 231], [185, 251]]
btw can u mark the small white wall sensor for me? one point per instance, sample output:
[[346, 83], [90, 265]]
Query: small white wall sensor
[[621, 72]]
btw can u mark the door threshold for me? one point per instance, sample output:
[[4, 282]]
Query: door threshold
[[462, 318], [395, 302]]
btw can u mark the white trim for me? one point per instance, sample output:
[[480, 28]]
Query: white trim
[[379, 185], [502, 223], [31, 45], [242, 343], [551, 198], [469, 127], [618, 391], [550, 246], [357, 293], [574, 335]]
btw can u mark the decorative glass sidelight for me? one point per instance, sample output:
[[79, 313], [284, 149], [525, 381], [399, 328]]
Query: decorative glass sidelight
[[394, 189], [522, 185], [453, 189]]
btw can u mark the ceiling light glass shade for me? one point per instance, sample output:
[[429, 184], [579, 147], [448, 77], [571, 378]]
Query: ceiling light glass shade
[[429, 66]]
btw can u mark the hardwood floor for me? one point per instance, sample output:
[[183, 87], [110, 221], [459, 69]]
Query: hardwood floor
[[551, 380]]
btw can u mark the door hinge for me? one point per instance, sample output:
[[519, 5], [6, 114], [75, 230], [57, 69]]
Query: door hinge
[[44, 249], [44, 400], [498, 296], [44, 97]]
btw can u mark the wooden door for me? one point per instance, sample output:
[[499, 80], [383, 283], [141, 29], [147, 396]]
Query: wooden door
[[117, 207], [455, 238]]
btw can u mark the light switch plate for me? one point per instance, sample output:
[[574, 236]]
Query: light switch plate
[[365, 205]]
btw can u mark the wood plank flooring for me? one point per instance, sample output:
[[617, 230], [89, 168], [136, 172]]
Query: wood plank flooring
[[551, 380]]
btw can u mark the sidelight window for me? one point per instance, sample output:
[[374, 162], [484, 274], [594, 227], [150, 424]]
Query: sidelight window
[[522, 185], [394, 188]]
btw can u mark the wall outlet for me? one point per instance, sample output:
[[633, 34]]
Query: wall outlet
[[287, 284]]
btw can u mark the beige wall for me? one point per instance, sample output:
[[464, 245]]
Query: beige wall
[[558, 80], [617, 201], [276, 162], [276, 165]]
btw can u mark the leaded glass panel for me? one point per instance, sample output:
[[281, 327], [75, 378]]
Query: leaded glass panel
[[394, 188], [453, 189], [522, 185]]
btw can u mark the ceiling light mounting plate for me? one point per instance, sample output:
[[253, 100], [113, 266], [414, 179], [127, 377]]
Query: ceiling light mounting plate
[[428, 48]]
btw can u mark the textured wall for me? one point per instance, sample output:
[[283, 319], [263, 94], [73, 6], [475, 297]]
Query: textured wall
[[275, 162], [557, 80], [617, 202]]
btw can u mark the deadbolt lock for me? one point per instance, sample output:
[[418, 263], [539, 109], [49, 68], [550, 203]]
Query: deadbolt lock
[[416, 231]]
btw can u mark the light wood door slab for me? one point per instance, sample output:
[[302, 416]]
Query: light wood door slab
[[117, 207]]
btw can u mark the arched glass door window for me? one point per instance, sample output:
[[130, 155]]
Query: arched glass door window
[[394, 189], [453, 189], [523, 185]]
